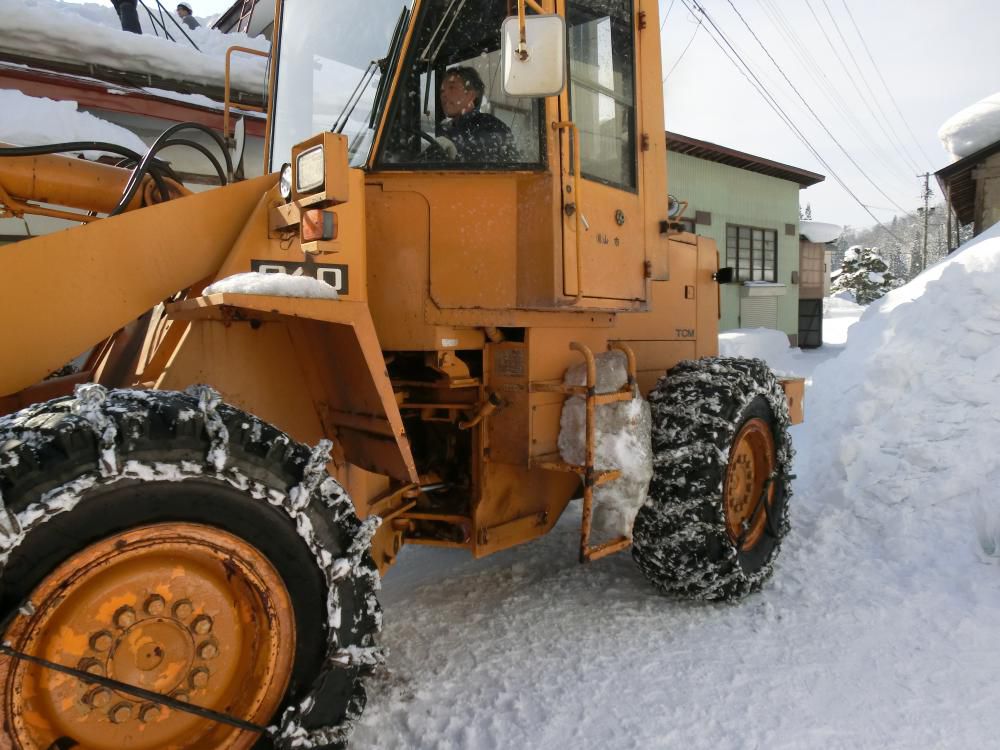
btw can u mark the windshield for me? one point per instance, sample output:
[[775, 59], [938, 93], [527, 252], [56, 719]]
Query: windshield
[[325, 56]]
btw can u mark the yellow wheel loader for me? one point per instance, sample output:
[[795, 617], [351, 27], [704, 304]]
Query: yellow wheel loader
[[279, 383]]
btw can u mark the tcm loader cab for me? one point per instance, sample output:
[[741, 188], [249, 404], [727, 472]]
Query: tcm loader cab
[[465, 240]]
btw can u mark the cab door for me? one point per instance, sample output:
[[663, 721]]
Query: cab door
[[601, 102]]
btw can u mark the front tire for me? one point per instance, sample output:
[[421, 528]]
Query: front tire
[[717, 506], [125, 498]]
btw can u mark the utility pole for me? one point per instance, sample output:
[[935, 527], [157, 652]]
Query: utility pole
[[927, 213]]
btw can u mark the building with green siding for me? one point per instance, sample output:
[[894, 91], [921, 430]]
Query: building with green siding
[[750, 207]]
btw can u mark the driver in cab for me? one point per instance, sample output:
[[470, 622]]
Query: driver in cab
[[466, 134]]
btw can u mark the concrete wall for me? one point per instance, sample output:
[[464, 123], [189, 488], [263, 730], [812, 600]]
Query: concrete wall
[[737, 196]]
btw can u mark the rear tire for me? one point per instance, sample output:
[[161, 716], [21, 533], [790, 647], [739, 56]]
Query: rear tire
[[76, 471], [687, 539]]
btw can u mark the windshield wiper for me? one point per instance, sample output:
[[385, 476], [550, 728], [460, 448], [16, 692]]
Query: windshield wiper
[[354, 98]]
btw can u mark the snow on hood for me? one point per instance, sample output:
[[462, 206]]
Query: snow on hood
[[973, 128], [90, 33], [909, 409], [272, 284], [30, 121]]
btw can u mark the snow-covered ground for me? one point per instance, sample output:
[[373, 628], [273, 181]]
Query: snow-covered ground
[[878, 629]]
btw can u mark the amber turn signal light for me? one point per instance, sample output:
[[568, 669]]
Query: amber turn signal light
[[318, 224]]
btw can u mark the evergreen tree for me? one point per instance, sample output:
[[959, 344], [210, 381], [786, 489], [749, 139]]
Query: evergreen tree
[[864, 274], [808, 212]]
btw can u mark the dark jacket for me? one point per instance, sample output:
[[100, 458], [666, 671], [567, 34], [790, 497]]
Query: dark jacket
[[480, 137], [191, 22]]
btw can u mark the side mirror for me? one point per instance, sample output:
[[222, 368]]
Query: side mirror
[[239, 144], [538, 67]]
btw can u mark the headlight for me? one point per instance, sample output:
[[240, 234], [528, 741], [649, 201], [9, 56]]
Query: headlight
[[309, 170], [285, 183]]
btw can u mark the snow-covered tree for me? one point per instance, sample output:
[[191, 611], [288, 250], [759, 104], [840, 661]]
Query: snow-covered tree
[[864, 274]]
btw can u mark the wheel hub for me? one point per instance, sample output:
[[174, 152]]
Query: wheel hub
[[181, 610], [751, 463]]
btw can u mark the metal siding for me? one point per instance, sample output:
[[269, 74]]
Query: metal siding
[[736, 196]]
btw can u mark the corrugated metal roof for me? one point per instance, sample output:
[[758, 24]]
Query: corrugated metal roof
[[682, 144]]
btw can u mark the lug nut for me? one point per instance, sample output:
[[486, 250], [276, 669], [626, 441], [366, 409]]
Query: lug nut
[[208, 650], [183, 609], [202, 625], [199, 677], [155, 605], [121, 713], [181, 696], [149, 712], [98, 697], [101, 641], [91, 666], [125, 617]]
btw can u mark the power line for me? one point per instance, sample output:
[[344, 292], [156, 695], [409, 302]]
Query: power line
[[755, 82], [864, 80], [665, 15], [885, 85], [910, 164], [684, 51], [825, 86], [812, 111]]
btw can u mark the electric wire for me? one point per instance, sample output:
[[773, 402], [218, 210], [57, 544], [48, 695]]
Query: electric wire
[[857, 87], [745, 70], [683, 51], [667, 14], [885, 85], [902, 178], [864, 80], [816, 117]]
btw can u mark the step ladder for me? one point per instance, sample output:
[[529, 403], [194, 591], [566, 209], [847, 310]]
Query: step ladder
[[592, 476], [246, 15]]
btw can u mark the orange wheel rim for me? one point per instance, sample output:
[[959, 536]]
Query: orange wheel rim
[[180, 609], [751, 462]]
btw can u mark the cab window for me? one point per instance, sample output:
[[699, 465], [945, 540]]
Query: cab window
[[450, 110]]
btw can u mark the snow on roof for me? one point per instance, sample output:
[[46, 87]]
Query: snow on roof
[[819, 231], [91, 34], [30, 121], [972, 129]]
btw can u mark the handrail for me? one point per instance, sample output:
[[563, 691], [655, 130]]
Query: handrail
[[163, 26], [575, 158], [227, 105]]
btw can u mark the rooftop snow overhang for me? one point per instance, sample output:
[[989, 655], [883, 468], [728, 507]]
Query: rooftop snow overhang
[[682, 144], [959, 187]]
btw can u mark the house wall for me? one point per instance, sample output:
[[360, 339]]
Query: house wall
[[737, 196], [987, 177]]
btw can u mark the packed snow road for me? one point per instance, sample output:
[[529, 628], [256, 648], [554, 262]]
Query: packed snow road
[[878, 629]]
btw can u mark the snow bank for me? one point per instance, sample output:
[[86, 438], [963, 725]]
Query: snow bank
[[767, 344], [30, 121], [973, 128], [272, 284], [910, 412], [623, 442], [89, 33]]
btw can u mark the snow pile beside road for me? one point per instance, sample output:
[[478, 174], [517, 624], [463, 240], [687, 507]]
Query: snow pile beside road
[[913, 404], [973, 128], [767, 344], [30, 121], [91, 34]]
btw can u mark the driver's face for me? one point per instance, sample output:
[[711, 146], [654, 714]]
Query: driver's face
[[456, 99]]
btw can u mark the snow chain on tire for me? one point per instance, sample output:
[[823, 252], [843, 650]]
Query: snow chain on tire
[[680, 540], [53, 456]]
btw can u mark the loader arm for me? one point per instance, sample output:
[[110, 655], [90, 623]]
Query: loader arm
[[66, 291]]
